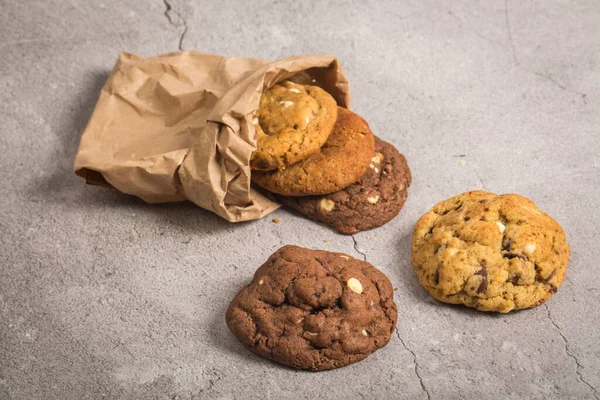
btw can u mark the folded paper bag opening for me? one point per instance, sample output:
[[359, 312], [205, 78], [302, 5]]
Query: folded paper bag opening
[[179, 127]]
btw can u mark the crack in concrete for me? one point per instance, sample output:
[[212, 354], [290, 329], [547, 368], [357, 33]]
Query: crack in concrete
[[480, 181], [512, 44], [181, 22], [563, 87], [516, 61], [356, 248], [570, 354], [462, 22], [417, 366]]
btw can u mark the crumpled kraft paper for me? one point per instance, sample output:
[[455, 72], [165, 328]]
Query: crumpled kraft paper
[[178, 126]]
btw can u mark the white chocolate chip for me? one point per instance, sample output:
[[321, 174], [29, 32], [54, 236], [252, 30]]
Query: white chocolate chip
[[255, 120], [307, 120], [311, 333], [286, 103], [373, 200], [300, 320], [377, 158], [327, 204], [365, 333], [345, 257], [261, 282], [294, 90], [529, 248], [355, 285], [500, 226]]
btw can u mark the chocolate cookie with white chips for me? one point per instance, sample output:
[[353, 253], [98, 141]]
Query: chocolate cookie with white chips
[[314, 309]]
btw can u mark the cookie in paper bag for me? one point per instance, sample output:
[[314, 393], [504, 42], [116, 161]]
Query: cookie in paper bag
[[292, 122], [341, 161]]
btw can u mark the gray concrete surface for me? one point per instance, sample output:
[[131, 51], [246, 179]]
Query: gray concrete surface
[[103, 296]]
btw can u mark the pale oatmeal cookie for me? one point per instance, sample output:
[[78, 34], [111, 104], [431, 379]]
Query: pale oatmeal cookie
[[491, 252]]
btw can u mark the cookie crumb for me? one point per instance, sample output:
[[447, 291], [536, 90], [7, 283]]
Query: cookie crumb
[[462, 162], [276, 220], [325, 241]]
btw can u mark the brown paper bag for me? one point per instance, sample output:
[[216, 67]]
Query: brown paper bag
[[178, 126]]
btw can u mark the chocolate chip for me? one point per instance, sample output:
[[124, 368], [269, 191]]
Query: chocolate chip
[[515, 255], [323, 263], [262, 164], [436, 277], [295, 126], [547, 280], [506, 244], [467, 218], [484, 280]]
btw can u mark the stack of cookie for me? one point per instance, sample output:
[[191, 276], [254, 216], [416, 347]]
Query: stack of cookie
[[323, 160]]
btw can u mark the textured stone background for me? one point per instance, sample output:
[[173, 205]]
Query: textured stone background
[[103, 296]]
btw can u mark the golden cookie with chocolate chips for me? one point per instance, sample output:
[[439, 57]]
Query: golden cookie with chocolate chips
[[341, 161], [374, 200], [491, 252], [314, 309], [292, 122]]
